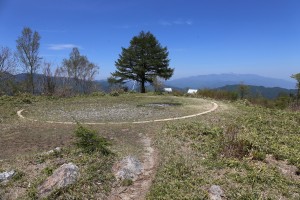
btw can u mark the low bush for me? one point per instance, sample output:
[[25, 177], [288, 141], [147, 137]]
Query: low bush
[[89, 141], [178, 93], [114, 93], [98, 94], [232, 145], [258, 155]]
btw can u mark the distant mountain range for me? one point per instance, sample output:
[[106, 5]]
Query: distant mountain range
[[220, 80]]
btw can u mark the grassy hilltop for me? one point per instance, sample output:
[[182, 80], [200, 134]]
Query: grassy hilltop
[[251, 152]]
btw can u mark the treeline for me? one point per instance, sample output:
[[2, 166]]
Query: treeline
[[282, 101], [75, 74]]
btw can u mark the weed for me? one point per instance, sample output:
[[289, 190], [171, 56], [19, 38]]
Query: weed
[[40, 159], [32, 193], [232, 146], [18, 175], [258, 155], [114, 93], [48, 171], [89, 141], [98, 94], [126, 182]]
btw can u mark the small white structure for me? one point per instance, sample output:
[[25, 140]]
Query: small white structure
[[168, 90], [192, 91]]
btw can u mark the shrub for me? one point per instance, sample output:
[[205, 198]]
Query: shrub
[[178, 93], [232, 146], [258, 155], [98, 94], [18, 175], [48, 171], [114, 93], [89, 141]]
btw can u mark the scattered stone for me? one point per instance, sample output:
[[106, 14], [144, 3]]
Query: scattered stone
[[128, 168], [289, 171], [63, 176], [215, 193], [4, 176], [56, 150]]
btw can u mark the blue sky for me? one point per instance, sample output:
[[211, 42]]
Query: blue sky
[[203, 36]]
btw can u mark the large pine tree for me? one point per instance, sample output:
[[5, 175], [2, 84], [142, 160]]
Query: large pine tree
[[142, 61]]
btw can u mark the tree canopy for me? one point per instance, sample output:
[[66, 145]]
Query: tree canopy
[[28, 45], [142, 61], [79, 69], [297, 78]]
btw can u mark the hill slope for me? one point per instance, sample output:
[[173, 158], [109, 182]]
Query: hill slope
[[270, 93], [220, 80]]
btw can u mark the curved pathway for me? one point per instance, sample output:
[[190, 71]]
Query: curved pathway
[[215, 106]]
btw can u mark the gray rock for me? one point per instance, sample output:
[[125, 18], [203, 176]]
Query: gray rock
[[128, 168], [63, 176], [215, 193], [4, 176]]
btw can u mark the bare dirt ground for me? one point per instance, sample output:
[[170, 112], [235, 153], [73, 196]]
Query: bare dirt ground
[[140, 187], [31, 132]]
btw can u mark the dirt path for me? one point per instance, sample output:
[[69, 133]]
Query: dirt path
[[215, 106], [141, 186]]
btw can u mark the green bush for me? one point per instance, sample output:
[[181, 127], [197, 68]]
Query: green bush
[[89, 141], [258, 155], [114, 93]]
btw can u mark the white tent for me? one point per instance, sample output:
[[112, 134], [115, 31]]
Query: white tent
[[192, 91], [168, 89]]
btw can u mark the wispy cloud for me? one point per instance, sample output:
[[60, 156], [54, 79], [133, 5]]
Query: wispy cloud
[[62, 46], [176, 22]]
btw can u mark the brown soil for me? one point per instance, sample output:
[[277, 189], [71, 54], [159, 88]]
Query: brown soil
[[140, 187]]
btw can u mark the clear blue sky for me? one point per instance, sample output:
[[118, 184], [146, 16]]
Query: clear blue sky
[[203, 36]]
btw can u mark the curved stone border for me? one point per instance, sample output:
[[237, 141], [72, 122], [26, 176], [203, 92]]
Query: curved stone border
[[215, 106]]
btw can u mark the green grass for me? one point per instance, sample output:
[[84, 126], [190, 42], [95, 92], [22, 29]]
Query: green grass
[[227, 147], [193, 155]]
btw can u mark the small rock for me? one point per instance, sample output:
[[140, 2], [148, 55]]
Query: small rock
[[63, 176], [215, 193], [57, 149], [4, 176], [128, 168]]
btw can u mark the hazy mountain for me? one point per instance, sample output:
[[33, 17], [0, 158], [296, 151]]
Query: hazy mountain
[[220, 80], [270, 93]]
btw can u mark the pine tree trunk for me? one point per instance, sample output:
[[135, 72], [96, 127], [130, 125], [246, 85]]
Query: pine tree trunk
[[143, 90]]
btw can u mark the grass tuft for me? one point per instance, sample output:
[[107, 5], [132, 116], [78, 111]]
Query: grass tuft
[[89, 141]]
